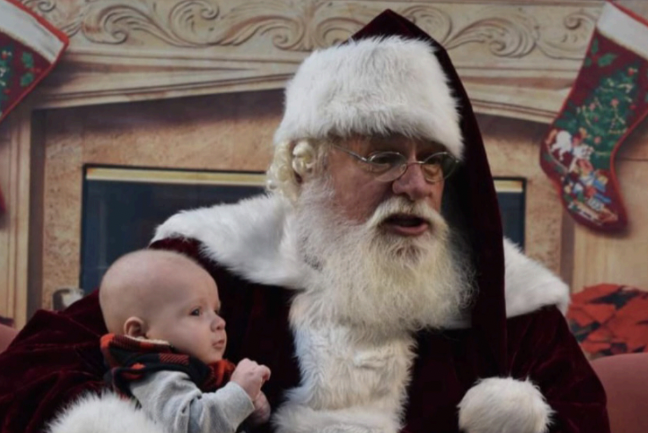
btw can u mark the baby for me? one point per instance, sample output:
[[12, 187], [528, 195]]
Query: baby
[[166, 345]]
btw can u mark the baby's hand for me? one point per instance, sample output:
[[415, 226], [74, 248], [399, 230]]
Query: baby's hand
[[261, 412], [250, 376]]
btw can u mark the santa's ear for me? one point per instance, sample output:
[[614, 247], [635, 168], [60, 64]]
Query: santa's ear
[[304, 159], [135, 327]]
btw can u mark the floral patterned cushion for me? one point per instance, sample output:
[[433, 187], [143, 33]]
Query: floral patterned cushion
[[608, 319]]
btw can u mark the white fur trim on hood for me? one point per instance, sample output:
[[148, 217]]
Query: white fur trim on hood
[[107, 413], [530, 285], [248, 237], [372, 86], [504, 405], [251, 239]]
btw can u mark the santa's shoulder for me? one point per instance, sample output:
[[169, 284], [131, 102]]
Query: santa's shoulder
[[248, 238], [529, 285]]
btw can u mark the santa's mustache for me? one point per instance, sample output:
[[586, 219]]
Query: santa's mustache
[[402, 208]]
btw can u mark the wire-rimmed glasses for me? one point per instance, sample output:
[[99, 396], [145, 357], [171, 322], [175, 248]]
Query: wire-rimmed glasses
[[388, 166]]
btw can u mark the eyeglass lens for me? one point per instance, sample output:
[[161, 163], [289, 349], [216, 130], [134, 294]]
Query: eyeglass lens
[[390, 166]]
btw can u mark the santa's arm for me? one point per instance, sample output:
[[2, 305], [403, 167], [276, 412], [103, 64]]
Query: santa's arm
[[550, 355], [552, 387]]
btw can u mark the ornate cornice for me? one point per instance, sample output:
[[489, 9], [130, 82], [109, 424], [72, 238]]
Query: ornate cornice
[[517, 33], [570, 42], [516, 57], [306, 25]]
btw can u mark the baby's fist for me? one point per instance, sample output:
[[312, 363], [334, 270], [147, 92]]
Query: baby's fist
[[250, 376]]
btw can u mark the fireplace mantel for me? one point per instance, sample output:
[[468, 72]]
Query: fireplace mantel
[[517, 58]]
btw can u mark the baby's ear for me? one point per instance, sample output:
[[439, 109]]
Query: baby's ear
[[135, 327]]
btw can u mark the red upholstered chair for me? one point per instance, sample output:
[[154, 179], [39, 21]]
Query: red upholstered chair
[[625, 379], [6, 335]]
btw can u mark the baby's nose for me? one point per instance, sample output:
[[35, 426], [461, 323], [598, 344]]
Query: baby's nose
[[219, 323]]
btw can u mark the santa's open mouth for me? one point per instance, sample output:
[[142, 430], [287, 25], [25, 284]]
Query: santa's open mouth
[[407, 225]]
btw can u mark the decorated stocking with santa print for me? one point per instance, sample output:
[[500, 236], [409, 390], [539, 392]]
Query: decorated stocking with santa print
[[608, 100], [29, 49]]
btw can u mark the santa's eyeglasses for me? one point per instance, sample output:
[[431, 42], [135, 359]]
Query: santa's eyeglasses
[[389, 166]]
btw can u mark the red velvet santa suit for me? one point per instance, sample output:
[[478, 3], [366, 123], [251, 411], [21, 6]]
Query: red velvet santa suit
[[533, 375]]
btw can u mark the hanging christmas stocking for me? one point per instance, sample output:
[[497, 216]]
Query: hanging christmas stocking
[[608, 100], [29, 49]]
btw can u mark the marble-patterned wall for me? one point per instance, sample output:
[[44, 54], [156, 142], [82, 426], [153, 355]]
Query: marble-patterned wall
[[228, 132]]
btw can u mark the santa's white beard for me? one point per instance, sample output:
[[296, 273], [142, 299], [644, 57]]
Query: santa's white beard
[[367, 277]]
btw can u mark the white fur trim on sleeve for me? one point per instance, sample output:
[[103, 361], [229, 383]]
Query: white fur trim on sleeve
[[504, 405], [107, 413]]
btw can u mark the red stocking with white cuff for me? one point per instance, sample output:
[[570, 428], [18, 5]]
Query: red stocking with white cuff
[[608, 100]]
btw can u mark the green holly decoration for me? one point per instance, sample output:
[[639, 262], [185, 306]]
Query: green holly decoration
[[593, 56], [28, 62], [26, 79]]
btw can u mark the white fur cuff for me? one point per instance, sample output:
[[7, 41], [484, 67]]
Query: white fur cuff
[[504, 405], [106, 413]]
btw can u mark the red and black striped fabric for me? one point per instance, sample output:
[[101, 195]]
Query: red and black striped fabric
[[132, 359]]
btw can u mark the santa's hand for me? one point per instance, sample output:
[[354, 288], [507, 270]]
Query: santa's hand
[[262, 410], [250, 376]]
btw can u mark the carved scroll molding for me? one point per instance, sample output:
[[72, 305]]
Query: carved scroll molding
[[155, 48], [310, 24], [198, 23]]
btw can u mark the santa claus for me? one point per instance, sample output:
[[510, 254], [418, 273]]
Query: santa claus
[[372, 279]]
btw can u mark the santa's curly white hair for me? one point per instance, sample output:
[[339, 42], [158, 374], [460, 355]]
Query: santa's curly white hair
[[292, 161]]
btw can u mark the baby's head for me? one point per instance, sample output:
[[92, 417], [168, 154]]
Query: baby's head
[[162, 295]]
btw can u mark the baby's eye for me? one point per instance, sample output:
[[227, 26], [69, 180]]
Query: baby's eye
[[195, 312]]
